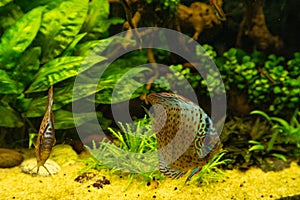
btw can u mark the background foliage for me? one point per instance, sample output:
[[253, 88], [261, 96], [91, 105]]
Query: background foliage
[[45, 43]]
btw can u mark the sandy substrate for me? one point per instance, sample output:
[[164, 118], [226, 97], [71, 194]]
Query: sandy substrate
[[252, 184]]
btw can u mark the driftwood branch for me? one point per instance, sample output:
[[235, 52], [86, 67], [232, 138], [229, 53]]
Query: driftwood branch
[[254, 27]]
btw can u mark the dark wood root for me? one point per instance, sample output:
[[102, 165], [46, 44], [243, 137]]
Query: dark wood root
[[128, 12], [152, 60], [254, 26], [198, 16], [131, 22]]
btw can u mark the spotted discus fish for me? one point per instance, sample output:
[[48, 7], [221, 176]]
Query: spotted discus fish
[[186, 137], [46, 135]]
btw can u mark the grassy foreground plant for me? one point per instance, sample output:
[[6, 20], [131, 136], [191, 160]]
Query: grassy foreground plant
[[210, 171], [134, 152]]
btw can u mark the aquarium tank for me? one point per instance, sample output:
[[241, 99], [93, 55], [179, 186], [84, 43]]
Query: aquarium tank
[[149, 99]]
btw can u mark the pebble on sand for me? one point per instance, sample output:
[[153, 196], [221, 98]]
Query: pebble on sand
[[29, 166], [10, 158]]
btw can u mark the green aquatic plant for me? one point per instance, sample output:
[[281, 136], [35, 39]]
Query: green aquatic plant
[[170, 5], [258, 146], [283, 132], [177, 76], [287, 132], [210, 171], [40, 47], [286, 83], [211, 82], [267, 79], [137, 139], [127, 153], [180, 74], [186, 73], [118, 156]]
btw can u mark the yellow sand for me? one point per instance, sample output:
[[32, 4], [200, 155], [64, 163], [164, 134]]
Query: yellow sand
[[252, 184]]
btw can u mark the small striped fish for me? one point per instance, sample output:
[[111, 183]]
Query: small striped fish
[[46, 135], [186, 137]]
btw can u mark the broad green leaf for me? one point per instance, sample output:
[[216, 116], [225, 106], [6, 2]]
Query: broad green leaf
[[108, 80], [85, 48], [37, 107], [66, 95], [55, 71], [28, 5], [254, 142], [60, 26], [62, 97], [258, 112], [4, 2], [9, 118], [32, 139], [125, 71], [272, 140], [97, 10], [9, 14], [71, 47], [97, 22], [282, 122], [21, 103], [104, 25], [280, 156], [18, 37], [123, 88], [98, 46], [61, 69], [27, 67], [257, 147], [7, 85], [63, 119]]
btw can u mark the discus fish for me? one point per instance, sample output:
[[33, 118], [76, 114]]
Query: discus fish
[[186, 137], [46, 135]]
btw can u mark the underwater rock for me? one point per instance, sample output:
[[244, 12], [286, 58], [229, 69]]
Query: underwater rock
[[10, 158], [63, 154], [29, 166], [273, 164]]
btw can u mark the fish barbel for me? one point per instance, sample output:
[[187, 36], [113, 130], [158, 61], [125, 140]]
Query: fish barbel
[[46, 135], [186, 137]]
